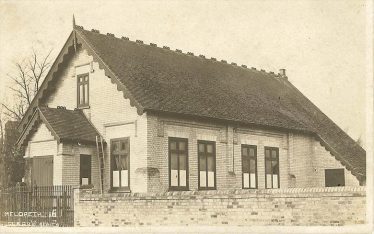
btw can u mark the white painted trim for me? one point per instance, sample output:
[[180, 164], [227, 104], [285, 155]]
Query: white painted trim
[[42, 141], [206, 137], [115, 124]]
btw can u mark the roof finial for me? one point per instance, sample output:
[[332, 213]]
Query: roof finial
[[73, 21]]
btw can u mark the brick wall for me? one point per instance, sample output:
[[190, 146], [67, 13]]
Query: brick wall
[[302, 160], [110, 113], [309, 161], [299, 206], [70, 164]]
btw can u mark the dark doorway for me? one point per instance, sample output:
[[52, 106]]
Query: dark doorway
[[42, 170], [334, 177]]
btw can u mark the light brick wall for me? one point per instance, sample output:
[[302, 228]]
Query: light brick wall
[[136, 131], [308, 207], [324, 160], [107, 107], [310, 160], [69, 155], [42, 143], [301, 158]]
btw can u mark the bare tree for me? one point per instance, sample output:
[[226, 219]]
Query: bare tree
[[27, 78]]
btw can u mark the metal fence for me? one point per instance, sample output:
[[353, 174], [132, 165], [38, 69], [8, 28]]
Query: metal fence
[[37, 206]]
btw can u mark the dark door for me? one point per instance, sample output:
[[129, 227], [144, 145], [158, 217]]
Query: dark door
[[85, 169], [42, 171]]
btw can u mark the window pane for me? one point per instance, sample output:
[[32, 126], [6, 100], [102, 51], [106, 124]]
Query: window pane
[[251, 152], [116, 162], [80, 94], [86, 93], [202, 161], [267, 153], [268, 167], [274, 154], [124, 163], [123, 145], [268, 181], [210, 163], [173, 145], [201, 148], [174, 161], [182, 178], [115, 178], [84, 181], [253, 180], [252, 166], [124, 178], [115, 147], [244, 151], [174, 177], [210, 179], [275, 167], [182, 145], [86, 78], [202, 175], [182, 162], [245, 165], [209, 148], [246, 180], [275, 181]]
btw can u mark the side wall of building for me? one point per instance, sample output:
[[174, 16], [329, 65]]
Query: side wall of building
[[309, 161], [302, 160]]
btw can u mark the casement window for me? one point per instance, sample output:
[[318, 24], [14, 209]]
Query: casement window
[[178, 163], [271, 167], [334, 177], [207, 164], [120, 164], [249, 166], [83, 90], [85, 169]]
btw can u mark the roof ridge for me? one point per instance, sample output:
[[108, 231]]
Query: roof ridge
[[179, 51]]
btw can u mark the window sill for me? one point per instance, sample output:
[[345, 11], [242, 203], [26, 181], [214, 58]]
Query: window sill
[[121, 190], [178, 189], [206, 189], [83, 107]]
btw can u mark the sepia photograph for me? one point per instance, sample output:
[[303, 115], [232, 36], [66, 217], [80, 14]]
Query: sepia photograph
[[186, 116]]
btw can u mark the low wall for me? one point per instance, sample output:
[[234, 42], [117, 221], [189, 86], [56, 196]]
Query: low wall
[[307, 206]]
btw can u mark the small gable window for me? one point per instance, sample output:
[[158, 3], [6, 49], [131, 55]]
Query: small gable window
[[83, 90], [334, 177]]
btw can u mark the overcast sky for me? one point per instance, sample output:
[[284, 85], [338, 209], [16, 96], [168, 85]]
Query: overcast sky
[[320, 43]]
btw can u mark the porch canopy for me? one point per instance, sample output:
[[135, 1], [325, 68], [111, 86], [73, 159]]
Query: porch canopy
[[65, 125]]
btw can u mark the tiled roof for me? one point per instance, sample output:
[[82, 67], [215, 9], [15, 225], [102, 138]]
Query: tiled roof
[[160, 79], [68, 125]]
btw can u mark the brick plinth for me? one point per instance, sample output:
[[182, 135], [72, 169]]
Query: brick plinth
[[298, 206]]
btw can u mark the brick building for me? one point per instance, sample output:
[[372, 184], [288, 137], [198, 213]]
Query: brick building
[[175, 121]]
